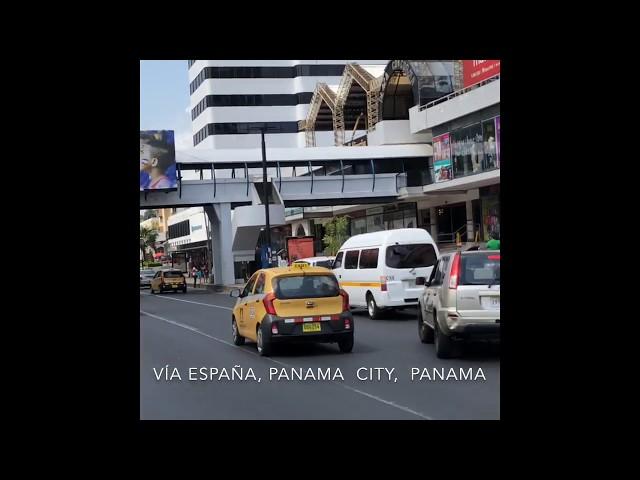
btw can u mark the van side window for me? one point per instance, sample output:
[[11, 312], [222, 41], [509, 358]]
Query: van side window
[[337, 263], [369, 258], [351, 259]]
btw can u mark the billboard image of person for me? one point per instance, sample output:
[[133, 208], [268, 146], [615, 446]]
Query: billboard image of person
[[157, 160], [442, 164]]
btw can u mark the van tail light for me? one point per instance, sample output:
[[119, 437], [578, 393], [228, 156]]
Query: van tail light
[[268, 303], [420, 280], [383, 283], [345, 300], [455, 273]]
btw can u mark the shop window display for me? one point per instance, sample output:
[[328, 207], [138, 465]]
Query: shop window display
[[467, 150]]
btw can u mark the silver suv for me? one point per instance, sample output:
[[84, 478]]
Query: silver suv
[[461, 301]]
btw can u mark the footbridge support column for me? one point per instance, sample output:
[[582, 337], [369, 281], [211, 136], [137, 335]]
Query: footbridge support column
[[221, 237]]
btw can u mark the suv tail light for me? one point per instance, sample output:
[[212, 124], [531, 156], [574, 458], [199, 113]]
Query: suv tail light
[[454, 279], [345, 300], [268, 303]]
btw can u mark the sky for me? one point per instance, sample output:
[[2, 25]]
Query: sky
[[164, 99]]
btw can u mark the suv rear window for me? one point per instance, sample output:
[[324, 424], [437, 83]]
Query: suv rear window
[[480, 269], [306, 286], [175, 274], [411, 256]]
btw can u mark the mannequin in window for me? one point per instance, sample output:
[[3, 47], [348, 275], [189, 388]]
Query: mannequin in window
[[490, 148]]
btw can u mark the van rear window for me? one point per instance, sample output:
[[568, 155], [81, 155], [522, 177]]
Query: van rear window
[[306, 286], [411, 256]]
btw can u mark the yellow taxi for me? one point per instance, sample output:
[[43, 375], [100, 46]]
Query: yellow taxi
[[168, 281], [292, 304]]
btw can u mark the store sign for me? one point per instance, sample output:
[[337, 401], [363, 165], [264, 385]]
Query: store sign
[[442, 164], [157, 160], [475, 71]]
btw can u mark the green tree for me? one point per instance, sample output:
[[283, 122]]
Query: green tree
[[150, 214], [148, 238], [336, 232]]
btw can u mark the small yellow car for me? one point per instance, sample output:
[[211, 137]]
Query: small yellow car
[[168, 281], [292, 304]]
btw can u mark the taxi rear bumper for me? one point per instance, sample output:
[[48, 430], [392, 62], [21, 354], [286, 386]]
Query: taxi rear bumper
[[291, 329]]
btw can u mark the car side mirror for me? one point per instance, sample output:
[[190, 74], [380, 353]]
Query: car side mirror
[[235, 292]]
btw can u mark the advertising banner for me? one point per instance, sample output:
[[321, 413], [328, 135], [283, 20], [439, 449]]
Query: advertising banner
[[157, 160], [300, 247], [474, 71], [498, 139], [442, 164]]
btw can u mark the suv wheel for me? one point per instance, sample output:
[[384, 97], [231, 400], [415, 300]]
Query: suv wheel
[[446, 347], [424, 331], [372, 307]]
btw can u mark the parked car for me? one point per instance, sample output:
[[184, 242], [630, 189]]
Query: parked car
[[168, 281], [461, 301], [325, 262], [385, 269], [146, 276], [293, 304]]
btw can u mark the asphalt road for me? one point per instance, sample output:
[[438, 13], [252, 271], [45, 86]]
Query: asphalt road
[[193, 330]]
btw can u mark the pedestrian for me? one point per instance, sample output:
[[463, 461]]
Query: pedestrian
[[195, 276], [206, 273], [201, 276], [494, 243]]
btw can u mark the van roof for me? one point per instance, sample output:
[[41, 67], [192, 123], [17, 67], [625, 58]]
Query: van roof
[[400, 235]]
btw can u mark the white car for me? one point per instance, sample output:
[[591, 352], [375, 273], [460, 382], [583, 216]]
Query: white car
[[386, 269], [326, 262]]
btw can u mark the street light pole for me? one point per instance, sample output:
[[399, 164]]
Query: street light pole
[[267, 225]]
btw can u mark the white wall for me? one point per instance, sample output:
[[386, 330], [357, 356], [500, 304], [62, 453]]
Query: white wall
[[393, 132], [197, 226]]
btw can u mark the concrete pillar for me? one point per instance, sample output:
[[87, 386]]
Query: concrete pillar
[[433, 220], [221, 238], [470, 232]]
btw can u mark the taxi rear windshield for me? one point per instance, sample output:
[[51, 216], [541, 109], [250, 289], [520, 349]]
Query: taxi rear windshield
[[306, 286], [173, 274], [411, 256]]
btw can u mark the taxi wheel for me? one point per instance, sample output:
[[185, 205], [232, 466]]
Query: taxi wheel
[[346, 345], [372, 308], [237, 338], [263, 343]]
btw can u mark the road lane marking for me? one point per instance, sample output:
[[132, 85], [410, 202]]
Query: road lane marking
[[186, 301], [368, 395]]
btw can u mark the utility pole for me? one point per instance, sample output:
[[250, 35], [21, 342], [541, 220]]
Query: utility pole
[[266, 197]]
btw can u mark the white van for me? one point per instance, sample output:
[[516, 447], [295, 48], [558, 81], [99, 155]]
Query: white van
[[385, 269]]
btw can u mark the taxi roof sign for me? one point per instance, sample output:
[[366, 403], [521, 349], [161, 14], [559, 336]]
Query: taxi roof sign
[[301, 265]]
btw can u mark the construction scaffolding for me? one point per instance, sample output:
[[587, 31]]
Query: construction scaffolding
[[322, 93], [336, 102]]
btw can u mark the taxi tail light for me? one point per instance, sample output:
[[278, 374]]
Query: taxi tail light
[[268, 303], [383, 283], [455, 273], [347, 323], [345, 300]]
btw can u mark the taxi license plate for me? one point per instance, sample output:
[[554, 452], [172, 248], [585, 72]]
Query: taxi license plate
[[311, 327]]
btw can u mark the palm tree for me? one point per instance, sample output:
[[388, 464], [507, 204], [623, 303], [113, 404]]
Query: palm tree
[[148, 239]]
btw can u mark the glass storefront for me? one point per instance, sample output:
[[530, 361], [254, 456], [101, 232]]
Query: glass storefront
[[388, 217], [474, 149], [490, 199]]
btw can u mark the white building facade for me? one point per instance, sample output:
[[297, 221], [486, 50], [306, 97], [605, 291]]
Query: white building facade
[[232, 99]]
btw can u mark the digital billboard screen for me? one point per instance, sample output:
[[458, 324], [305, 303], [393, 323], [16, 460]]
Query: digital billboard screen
[[157, 160]]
